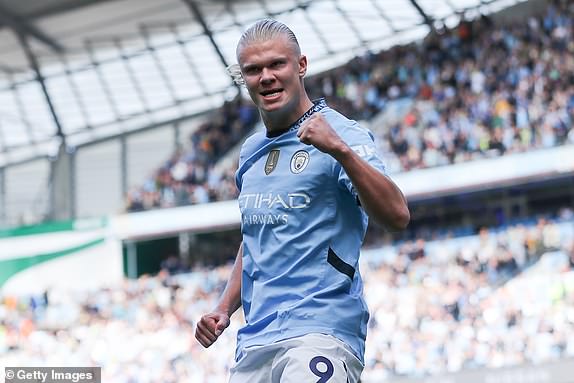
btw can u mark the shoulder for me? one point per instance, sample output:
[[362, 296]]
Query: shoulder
[[249, 147], [344, 126], [335, 118], [252, 143]]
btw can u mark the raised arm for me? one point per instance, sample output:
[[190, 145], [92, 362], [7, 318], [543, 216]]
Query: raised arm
[[379, 195], [211, 325]]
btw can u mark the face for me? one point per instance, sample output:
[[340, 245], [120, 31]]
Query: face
[[273, 72]]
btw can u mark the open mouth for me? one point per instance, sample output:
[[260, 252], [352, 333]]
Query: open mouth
[[271, 92]]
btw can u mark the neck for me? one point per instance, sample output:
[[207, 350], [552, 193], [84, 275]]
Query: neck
[[280, 121]]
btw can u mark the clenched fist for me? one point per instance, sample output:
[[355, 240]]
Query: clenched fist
[[316, 131], [210, 327]]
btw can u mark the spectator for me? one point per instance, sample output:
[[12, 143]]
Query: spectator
[[475, 91], [430, 314]]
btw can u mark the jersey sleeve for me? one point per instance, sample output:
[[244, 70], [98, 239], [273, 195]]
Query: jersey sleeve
[[362, 141], [247, 156], [238, 172]]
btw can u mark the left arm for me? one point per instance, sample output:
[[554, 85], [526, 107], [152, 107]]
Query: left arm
[[380, 197]]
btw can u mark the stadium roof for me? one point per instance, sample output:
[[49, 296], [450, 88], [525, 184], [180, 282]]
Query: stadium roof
[[85, 70]]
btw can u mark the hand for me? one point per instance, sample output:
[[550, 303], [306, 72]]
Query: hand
[[316, 131], [210, 327]]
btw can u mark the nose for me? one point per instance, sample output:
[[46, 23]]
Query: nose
[[266, 76]]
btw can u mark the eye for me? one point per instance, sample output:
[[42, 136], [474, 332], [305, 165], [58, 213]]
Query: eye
[[251, 70], [277, 63]]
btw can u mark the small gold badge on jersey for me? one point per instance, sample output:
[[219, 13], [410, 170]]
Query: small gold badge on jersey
[[272, 160], [299, 161]]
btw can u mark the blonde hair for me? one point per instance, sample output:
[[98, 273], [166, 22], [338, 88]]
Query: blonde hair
[[262, 30]]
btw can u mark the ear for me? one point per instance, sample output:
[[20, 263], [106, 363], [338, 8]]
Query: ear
[[302, 66]]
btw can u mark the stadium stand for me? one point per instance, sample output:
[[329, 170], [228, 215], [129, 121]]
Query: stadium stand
[[448, 298], [503, 297], [190, 177], [475, 91]]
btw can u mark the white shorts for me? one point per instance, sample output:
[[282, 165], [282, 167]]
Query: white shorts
[[313, 358]]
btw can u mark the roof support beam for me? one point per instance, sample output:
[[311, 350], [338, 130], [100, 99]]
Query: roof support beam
[[313, 25], [384, 16], [199, 16], [428, 20], [350, 23], [188, 59], [40, 78], [22, 27], [231, 12], [61, 6]]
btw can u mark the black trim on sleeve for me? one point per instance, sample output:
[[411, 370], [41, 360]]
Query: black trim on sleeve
[[340, 265]]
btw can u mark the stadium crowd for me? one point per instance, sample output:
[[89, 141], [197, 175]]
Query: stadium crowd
[[477, 90], [474, 91], [502, 297], [480, 301], [485, 302], [189, 176]]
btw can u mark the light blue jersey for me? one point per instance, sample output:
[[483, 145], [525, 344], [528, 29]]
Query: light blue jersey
[[302, 230]]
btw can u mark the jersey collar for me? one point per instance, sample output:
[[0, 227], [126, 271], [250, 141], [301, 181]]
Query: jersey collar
[[318, 104]]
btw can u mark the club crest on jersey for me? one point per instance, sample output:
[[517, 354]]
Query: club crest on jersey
[[299, 161], [272, 160]]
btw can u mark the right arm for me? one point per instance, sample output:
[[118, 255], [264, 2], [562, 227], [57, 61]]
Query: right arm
[[211, 325]]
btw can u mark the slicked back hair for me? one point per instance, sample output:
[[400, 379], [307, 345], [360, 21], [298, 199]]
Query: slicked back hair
[[264, 30]]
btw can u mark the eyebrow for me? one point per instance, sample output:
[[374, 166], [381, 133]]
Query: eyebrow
[[269, 62], [249, 67]]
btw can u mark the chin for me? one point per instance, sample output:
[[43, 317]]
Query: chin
[[274, 107], [283, 104]]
